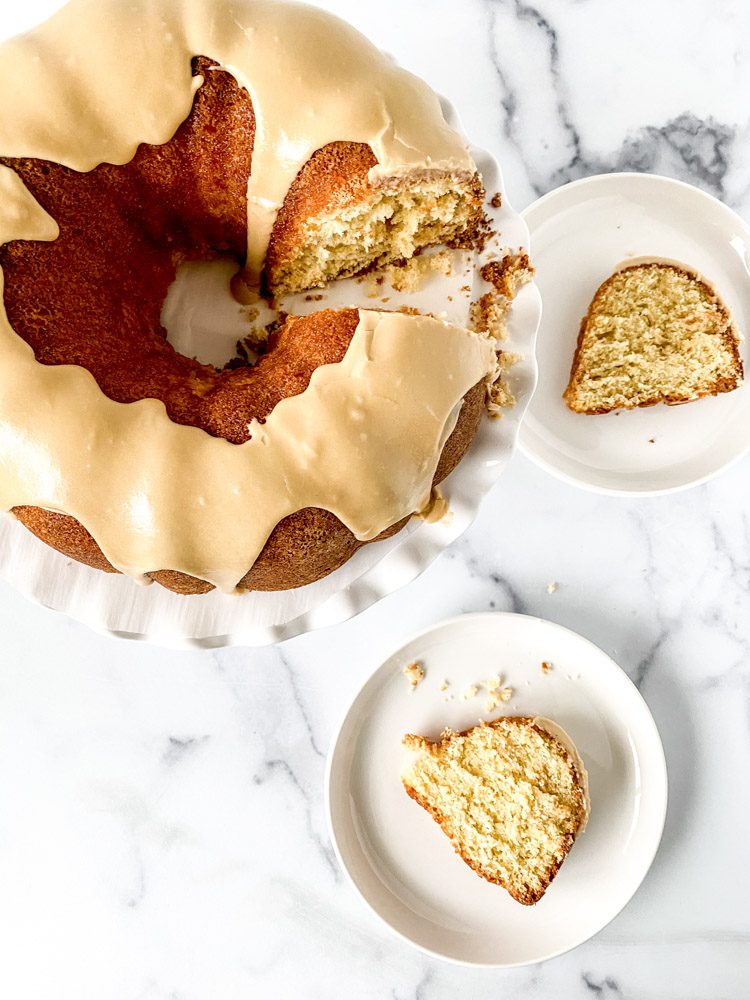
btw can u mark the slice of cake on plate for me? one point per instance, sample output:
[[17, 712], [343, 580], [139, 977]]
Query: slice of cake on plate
[[511, 795], [655, 332]]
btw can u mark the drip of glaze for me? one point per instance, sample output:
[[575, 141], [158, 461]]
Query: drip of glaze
[[102, 76], [363, 441], [87, 87]]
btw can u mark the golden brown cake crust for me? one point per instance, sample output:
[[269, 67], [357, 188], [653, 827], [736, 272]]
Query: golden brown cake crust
[[128, 228], [529, 897], [730, 338]]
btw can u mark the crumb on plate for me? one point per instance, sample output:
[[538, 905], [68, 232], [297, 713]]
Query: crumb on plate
[[497, 697], [414, 673]]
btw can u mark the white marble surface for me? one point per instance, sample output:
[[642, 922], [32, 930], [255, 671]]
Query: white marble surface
[[161, 818]]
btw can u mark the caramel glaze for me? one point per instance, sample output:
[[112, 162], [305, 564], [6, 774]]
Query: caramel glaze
[[126, 229]]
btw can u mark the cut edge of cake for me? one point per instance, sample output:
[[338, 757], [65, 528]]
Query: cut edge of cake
[[323, 235]]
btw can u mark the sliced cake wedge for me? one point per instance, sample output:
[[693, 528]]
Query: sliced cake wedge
[[655, 332], [511, 795]]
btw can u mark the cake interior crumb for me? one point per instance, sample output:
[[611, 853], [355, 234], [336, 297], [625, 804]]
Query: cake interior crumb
[[394, 223]]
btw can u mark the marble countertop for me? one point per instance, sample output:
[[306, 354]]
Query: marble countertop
[[162, 834]]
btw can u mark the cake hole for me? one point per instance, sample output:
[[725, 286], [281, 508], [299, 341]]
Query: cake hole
[[202, 317]]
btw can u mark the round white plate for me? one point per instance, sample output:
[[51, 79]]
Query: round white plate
[[400, 861], [580, 232], [115, 605]]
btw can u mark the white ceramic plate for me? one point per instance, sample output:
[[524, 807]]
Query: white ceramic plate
[[397, 857], [579, 233], [115, 605]]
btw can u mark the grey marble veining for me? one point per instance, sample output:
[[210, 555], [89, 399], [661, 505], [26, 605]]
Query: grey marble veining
[[685, 145], [162, 832]]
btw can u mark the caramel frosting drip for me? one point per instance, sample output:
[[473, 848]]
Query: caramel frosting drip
[[102, 76], [156, 495], [363, 440]]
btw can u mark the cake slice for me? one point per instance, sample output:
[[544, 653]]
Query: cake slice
[[511, 795], [655, 332], [336, 222]]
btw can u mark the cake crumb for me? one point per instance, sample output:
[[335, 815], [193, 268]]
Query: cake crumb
[[492, 683], [444, 685], [484, 235], [408, 275], [498, 696], [499, 395], [505, 277], [496, 200], [254, 343], [414, 673], [552, 586], [470, 692], [652, 440], [508, 275], [546, 666]]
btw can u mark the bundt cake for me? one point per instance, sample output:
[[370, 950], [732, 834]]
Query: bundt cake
[[136, 137]]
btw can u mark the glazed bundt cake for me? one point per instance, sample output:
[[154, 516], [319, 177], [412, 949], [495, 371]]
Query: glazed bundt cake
[[136, 137]]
